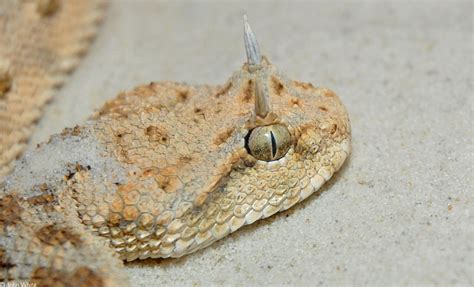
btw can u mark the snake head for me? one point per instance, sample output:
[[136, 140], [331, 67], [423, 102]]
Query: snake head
[[267, 142], [169, 168], [209, 160]]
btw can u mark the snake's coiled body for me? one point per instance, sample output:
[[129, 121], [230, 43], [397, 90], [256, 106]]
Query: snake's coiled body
[[41, 41]]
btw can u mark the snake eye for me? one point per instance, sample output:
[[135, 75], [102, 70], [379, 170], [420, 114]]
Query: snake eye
[[268, 142]]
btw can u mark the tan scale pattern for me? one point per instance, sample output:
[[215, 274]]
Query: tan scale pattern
[[40, 42], [185, 190], [187, 180]]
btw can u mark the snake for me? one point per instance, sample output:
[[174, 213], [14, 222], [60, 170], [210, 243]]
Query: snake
[[166, 169]]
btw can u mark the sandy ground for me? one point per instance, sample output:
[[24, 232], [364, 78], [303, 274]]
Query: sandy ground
[[401, 210]]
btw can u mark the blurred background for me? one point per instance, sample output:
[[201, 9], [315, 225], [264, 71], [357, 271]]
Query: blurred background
[[401, 210]]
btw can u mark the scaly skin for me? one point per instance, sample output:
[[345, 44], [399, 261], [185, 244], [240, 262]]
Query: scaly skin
[[162, 171], [40, 42]]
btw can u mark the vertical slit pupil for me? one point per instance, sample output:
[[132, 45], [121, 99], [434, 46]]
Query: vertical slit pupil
[[274, 145]]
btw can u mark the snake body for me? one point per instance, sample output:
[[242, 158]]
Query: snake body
[[41, 41], [164, 170]]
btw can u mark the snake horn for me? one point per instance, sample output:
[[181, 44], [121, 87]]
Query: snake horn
[[251, 45], [262, 105]]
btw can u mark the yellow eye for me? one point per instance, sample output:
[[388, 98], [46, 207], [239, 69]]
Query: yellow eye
[[269, 142]]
